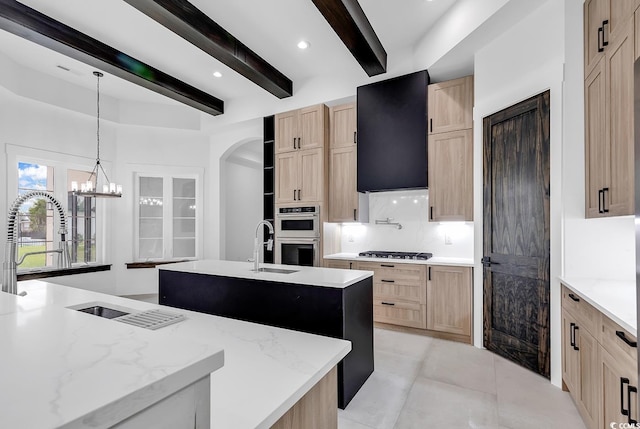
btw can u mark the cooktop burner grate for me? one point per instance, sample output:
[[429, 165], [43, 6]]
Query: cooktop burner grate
[[396, 255]]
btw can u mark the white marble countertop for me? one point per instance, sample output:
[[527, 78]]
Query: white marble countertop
[[436, 260], [62, 367], [312, 276], [614, 298]]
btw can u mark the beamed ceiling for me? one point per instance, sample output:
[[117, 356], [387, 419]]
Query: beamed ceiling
[[172, 47]]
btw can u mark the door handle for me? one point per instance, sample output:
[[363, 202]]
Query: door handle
[[600, 194], [573, 297], [575, 344], [630, 389], [604, 200], [299, 197], [486, 261], [600, 37], [387, 303], [294, 195], [623, 381], [387, 266], [604, 42], [387, 281], [624, 338], [355, 140], [355, 217], [572, 338]]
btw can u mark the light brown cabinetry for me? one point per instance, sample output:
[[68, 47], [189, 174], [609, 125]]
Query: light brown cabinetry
[[449, 299], [610, 52], [300, 176], [343, 195], [300, 160], [399, 293], [450, 105], [451, 176], [599, 364], [450, 150], [301, 129], [341, 264]]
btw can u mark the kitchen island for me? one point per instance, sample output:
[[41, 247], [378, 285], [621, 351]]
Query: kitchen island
[[334, 303], [62, 368]]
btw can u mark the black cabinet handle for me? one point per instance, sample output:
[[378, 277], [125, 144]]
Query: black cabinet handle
[[387, 303], [574, 298], [604, 42], [387, 265], [600, 38], [623, 381], [355, 216], [294, 142], [299, 197], [575, 344], [600, 194], [429, 273], [350, 265], [572, 338], [624, 338], [294, 195], [604, 200], [387, 281], [630, 389], [355, 140], [430, 125], [430, 212]]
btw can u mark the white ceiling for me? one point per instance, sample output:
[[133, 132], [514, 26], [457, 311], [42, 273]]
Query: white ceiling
[[270, 28]]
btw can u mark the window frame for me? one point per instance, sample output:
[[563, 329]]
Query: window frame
[[167, 174], [61, 163]]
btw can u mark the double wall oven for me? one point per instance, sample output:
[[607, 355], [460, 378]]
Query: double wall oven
[[298, 236]]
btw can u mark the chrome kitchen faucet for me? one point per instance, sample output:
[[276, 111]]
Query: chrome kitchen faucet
[[257, 243]]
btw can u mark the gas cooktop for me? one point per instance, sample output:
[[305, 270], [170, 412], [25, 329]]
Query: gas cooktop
[[396, 255]]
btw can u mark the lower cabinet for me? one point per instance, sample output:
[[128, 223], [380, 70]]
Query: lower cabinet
[[599, 364], [436, 299], [449, 299]]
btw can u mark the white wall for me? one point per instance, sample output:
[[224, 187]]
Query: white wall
[[411, 209], [243, 207], [524, 61]]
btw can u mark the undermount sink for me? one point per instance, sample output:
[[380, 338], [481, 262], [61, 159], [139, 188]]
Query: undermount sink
[[274, 270], [107, 313]]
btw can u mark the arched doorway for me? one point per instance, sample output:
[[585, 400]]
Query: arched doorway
[[242, 201]]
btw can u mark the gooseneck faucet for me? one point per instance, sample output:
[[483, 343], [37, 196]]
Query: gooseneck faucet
[[258, 243], [10, 266]]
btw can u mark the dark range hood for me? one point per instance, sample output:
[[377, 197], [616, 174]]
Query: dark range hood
[[392, 133]]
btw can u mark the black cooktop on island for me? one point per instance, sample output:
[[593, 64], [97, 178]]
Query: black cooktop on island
[[396, 255]]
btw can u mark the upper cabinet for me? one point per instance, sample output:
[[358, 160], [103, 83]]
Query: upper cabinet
[[450, 150], [609, 57], [603, 21], [450, 105], [301, 129], [343, 196], [300, 156]]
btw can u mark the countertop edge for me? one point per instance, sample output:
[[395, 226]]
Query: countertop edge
[[436, 260], [304, 389], [571, 283]]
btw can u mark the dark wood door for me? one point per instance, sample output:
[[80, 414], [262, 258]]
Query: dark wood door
[[516, 233]]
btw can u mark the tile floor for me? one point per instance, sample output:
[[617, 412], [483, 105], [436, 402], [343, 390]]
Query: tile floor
[[423, 383]]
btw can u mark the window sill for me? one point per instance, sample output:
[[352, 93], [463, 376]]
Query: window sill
[[153, 264], [81, 269]]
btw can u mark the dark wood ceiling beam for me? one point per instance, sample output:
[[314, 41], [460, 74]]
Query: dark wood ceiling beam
[[193, 25], [348, 20], [30, 24]]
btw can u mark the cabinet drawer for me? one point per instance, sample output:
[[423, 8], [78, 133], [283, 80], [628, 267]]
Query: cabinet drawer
[[395, 273], [586, 315], [613, 339], [399, 313], [413, 293]]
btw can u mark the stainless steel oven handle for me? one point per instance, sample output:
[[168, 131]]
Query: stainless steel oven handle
[[298, 240]]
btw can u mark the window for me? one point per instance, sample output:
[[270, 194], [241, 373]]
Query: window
[[38, 222], [167, 217]]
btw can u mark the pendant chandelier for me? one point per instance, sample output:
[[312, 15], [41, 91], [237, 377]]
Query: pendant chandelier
[[89, 188]]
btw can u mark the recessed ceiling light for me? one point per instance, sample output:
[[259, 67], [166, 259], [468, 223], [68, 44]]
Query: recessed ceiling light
[[303, 44], [217, 74]]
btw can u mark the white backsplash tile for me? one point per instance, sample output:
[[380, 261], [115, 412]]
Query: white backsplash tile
[[411, 210]]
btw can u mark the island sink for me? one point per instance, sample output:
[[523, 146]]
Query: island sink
[[274, 270], [107, 313]]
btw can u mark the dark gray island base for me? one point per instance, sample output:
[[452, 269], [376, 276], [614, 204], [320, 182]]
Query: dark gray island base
[[345, 313]]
